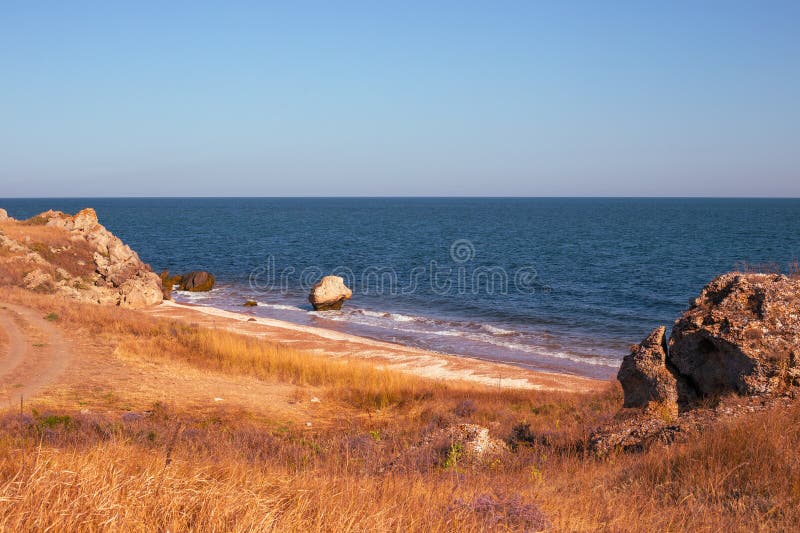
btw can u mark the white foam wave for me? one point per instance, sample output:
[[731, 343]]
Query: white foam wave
[[494, 330], [282, 307], [397, 317], [188, 295], [492, 335]]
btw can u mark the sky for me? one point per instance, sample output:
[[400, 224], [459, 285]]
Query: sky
[[434, 98]]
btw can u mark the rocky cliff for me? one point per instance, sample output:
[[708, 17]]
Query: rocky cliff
[[75, 256], [735, 350], [740, 336]]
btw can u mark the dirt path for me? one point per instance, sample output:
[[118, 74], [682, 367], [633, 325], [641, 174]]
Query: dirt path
[[69, 367], [35, 356]]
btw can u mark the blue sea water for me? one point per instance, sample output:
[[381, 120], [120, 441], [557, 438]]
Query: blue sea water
[[551, 284]]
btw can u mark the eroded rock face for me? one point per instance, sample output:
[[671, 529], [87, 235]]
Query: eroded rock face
[[78, 257], [329, 294], [644, 375], [198, 281], [742, 334]]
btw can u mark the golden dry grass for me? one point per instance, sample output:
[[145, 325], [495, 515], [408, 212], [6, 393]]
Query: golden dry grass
[[53, 244], [221, 469]]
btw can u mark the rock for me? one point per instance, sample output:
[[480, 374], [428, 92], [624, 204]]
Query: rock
[[741, 335], [85, 262], [644, 375], [168, 283], [197, 281], [738, 342], [142, 290], [83, 221], [461, 444], [3, 215], [38, 280], [474, 440], [329, 294], [632, 435], [250, 303]]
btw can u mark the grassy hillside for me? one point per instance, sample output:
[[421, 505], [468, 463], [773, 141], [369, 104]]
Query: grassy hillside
[[97, 452]]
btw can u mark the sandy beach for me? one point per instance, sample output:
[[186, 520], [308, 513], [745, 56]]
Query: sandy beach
[[406, 359]]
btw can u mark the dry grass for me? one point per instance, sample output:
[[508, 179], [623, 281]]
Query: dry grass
[[178, 469], [52, 244]]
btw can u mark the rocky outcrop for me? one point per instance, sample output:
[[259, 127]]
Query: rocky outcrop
[[3, 215], [740, 339], [635, 430], [741, 335], [329, 294], [644, 375], [197, 281], [78, 257]]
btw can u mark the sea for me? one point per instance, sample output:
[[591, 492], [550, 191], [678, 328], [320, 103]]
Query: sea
[[551, 284]]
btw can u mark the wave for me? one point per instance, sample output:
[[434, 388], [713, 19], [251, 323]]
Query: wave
[[397, 317], [476, 338], [193, 296], [471, 332], [280, 307], [494, 330]]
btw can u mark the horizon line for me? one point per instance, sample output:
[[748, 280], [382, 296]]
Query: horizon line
[[366, 197]]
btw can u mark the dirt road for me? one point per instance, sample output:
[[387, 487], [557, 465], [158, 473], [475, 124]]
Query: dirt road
[[35, 354]]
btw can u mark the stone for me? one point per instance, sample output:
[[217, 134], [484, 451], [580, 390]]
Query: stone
[[100, 267], [474, 440], [197, 281], [168, 283], [250, 303], [644, 376], [634, 434], [3, 215], [329, 294], [460, 444], [741, 335], [38, 280], [142, 290]]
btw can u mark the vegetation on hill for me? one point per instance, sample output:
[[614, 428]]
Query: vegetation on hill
[[366, 462]]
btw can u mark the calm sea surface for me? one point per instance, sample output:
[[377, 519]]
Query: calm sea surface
[[553, 284]]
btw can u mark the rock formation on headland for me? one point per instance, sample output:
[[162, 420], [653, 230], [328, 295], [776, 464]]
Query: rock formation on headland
[[644, 374], [75, 256], [329, 294], [741, 335], [738, 342]]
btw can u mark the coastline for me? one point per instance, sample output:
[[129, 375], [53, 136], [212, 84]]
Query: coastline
[[407, 359]]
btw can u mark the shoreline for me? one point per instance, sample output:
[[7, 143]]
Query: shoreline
[[393, 356]]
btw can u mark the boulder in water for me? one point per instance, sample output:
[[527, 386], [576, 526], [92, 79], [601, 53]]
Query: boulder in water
[[197, 281], [329, 294]]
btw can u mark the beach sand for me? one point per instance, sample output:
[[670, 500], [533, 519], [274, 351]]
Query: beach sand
[[407, 359]]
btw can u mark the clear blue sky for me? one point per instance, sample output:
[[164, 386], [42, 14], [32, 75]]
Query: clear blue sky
[[400, 98]]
